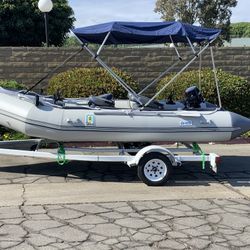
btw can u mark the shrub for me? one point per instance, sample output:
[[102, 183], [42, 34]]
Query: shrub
[[246, 135], [234, 90], [11, 84], [5, 133], [84, 82], [9, 135]]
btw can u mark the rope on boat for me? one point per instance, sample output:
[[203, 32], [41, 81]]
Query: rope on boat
[[198, 150], [61, 156]]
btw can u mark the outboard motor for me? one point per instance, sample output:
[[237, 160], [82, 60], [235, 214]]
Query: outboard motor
[[193, 98]]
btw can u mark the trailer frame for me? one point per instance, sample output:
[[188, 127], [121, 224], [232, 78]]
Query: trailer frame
[[163, 157]]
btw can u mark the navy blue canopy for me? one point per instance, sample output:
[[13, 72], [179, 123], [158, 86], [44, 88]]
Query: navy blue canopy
[[145, 33]]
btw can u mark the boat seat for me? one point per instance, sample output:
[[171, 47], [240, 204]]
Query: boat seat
[[155, 105], [105, 101]]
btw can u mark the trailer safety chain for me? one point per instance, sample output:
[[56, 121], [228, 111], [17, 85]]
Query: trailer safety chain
[[198, 150], [61, 156]]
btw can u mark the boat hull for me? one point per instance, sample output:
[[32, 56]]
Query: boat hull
[[117, 125]]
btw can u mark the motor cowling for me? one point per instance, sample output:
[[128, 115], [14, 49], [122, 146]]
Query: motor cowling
[[193, 98]]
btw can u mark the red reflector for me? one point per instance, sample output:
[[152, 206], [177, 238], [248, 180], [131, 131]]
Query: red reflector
[[217, 159]]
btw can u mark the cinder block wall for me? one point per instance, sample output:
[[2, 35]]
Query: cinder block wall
[[28, 65]]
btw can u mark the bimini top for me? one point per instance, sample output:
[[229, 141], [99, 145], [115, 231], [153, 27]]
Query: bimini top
[[145, 33]]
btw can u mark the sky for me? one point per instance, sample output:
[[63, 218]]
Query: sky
[[88, 12]]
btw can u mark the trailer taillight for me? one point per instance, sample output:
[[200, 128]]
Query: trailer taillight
[[217, 160]]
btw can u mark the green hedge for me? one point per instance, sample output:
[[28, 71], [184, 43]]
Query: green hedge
[[6, 133], [11, 84], [234, 90], [84, 82]]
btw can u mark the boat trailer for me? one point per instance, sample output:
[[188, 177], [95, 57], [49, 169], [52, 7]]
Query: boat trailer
[[154, 163]]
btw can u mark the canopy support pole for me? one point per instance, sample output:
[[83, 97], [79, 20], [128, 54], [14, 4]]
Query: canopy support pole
[[159, 77], [53, 71], [112, 73], [200, 63], [176, 50], [192, 47], [215, 77], [103, 43], [168, 83], [109, 70], [163, 73]]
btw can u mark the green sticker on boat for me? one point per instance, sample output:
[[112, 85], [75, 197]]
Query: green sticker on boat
[[89, 120]]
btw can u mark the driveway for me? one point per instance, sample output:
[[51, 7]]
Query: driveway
[[105, 206]]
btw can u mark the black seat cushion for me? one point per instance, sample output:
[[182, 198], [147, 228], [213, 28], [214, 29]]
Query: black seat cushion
[[143, 99], [105, 100]]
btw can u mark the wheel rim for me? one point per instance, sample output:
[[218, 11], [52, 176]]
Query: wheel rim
[[155, 170]]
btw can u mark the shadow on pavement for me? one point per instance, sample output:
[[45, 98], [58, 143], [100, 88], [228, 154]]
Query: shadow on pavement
[[233, 169]]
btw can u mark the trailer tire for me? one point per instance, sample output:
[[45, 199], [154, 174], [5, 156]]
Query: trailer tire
[[154, 169]]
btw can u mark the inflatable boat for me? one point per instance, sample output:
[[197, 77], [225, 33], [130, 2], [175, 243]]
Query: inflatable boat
[[137, 119], [103, 119]]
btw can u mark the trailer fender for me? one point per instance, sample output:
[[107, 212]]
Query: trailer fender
[[149, 149]]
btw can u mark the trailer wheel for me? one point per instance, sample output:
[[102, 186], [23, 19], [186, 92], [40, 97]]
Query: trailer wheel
[[154, 169]]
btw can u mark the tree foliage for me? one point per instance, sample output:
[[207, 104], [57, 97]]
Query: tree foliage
[[22, 23], [183, 10], [209, 13], [240, 29], [71, 41]]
